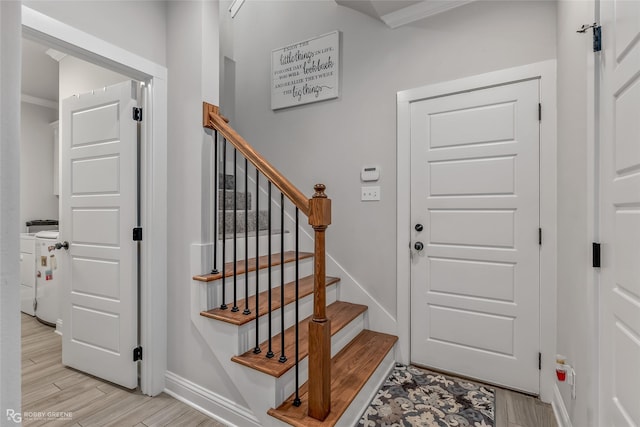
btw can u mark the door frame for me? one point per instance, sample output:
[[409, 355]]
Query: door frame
[[153, 288], [546, 72]]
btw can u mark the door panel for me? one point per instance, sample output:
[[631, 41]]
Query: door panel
[[475, 186], [98, 211], [620, 214]]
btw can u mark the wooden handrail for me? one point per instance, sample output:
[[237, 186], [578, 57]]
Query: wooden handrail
[[318, 210], [213, 120]]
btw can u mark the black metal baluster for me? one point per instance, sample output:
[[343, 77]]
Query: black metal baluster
[[257, 350], [216, 194], [296, 401], [246, 238], [283, 357], [270, 352], [235, 231], [224, 222]]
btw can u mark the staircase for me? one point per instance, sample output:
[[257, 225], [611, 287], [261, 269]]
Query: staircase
[[269, 313]]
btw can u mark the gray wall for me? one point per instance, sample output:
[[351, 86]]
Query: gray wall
[[138, 26], [329, 142], [78, 76], [192, 58], [37, 200], [577, 326]]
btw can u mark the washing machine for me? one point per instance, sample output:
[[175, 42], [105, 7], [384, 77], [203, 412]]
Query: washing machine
[[48, 276]]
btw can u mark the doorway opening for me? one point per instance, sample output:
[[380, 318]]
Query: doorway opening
[[67, 40]]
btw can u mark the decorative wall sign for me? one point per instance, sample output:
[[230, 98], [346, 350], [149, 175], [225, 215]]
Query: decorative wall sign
[[306, 71]]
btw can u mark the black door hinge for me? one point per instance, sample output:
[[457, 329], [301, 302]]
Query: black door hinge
[[137, 234], [137, 114], [597, 35], [540, 236], [597, 38], [137, 354], [539, 361], [596, 255], [539, 112]]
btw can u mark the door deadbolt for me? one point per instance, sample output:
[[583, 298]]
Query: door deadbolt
[[419, 227]]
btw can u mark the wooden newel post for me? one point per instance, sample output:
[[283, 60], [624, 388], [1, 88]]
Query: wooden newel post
[[320, 326]]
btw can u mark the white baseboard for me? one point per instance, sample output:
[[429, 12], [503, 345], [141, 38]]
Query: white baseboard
[[559, 410], [59, 327], [209, 403]]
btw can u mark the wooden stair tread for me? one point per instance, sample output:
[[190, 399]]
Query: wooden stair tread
[[351, 368], [340, 313], [263, 262], [237, 318]]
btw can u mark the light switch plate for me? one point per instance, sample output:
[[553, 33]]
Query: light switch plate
[[370, 193]]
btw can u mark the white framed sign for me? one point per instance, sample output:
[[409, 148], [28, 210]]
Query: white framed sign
[[306, 71]]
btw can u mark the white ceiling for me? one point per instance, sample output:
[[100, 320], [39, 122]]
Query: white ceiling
[[396, 13], [39, 72]]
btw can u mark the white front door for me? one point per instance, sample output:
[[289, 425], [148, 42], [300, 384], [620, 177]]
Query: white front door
[[620, 214], [98, 206], [475, 198]]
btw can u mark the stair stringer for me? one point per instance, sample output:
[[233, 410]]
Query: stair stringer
[[380, 320], [351, 290]]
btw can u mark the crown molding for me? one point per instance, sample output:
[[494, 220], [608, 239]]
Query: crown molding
[[235, 7], [420, 11], [56, 55], [42, 102]]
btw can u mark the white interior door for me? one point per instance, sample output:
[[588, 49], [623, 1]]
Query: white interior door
[[98, 198], [620, 214], [475, 192]]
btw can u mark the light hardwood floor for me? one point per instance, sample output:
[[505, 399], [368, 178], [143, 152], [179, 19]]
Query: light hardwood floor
[[49, 386], [519, 410]]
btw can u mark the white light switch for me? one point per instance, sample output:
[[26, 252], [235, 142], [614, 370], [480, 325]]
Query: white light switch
[[370, 193]]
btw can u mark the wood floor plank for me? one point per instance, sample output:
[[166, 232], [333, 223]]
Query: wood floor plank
[[188, 419], [166, 415], [501, 416], [109, 414], [75, 378], [340, 313], [49, 386], [60, 399], [38, 394], [141, 412], [524, 411], [263, 262], [48, 375], [90, 408], [237, 318]]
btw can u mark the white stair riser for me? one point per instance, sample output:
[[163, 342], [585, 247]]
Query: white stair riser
[[243, 336], [215, 288], [247, 332]]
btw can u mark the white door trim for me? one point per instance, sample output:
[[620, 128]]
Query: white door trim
[[153, 301], [546, 72]]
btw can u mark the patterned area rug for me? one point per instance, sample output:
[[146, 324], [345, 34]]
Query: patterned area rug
[[417, 397]]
